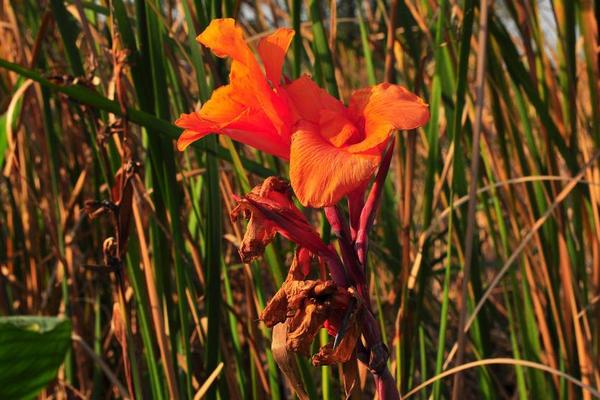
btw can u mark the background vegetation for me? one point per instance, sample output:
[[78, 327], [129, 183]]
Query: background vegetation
[[514, 89]]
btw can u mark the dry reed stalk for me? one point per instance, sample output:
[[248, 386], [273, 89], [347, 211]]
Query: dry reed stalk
[[155, 304], [470, 232]]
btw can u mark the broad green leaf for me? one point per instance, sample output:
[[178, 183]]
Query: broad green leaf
[[31, 350]]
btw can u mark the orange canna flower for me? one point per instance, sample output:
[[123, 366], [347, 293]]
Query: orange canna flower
[[333, 149]]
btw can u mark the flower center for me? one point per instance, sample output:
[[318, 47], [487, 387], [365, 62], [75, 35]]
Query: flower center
[[338, 129]]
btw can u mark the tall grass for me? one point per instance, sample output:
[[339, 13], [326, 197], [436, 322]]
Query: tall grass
[[494, 266]]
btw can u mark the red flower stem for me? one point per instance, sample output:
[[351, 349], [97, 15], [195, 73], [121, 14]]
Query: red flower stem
[[337, 271], [378, 354], [367, 215], [340, 229], [385, 386], [373, 339], [356, 202]]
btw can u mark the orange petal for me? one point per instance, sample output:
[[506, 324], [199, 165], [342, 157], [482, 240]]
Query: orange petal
[[309, 99], [215, 114], [188, 137], [322, 174], [272, 51], [247, 80], [250, 127], [383, 108], [225, 38], [223, 114], [222, 106], [195, 129], [336, 128]]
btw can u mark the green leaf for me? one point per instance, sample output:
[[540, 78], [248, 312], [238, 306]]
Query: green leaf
[[3, 138], [162, 127], [31, 350], [4, 122]]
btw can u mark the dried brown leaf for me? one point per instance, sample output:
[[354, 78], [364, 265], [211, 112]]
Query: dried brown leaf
[[270, 210], [286, 360]]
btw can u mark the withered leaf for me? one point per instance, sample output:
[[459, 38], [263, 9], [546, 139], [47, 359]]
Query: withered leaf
[[306, 305], [286, 360], [270, 210], [122, 194], [350, 375], [346, 349]]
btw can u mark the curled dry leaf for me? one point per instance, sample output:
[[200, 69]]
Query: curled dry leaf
[[122, 195], [261, 231], [119, 207], [286, 360], [308, 305], [118, 325], [350, 375], [347, 346], [270, 209]]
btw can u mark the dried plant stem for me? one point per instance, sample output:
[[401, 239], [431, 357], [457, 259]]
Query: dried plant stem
[[208, 382], [407, 209], [470, 233], [534, 229], [502, 361], [105, 368], [389, 46], [124, 337], [155, 308]]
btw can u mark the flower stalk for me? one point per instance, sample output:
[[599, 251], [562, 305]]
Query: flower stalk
[[341, 304], [340, 230], [367, 215]]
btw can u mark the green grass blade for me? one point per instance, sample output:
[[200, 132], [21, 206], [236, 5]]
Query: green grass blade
[[323, 53]]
